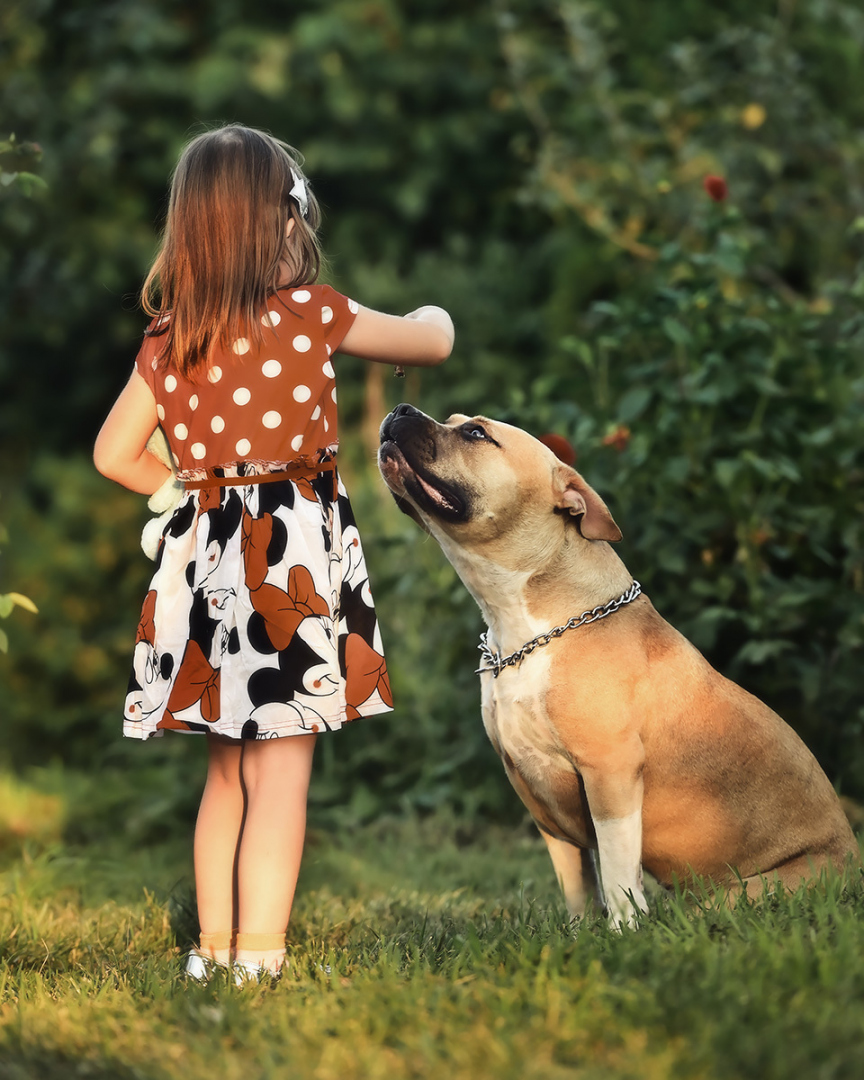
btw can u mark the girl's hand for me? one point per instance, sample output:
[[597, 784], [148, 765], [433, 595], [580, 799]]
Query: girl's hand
[[422, 338], [435, 315]]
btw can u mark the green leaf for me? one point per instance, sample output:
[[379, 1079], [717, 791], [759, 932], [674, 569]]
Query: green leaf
[[6, 606], [581, 349], [23, 601], [823, 436], [31, 180], [768, 386], [760, 465], [4, 642], [633, 403], [677, 469], [677, 331], [757, 652], [788, 469], [726, 470]]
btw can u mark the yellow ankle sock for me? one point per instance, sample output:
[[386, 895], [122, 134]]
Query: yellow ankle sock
[[217, 946], [265, 950]]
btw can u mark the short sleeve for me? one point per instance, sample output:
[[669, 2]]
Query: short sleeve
[[337, 314], [145, 361]]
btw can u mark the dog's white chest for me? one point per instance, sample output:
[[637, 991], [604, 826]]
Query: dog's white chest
[[516, 721]]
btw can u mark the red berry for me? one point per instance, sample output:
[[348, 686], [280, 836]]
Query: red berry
[[560, 447], [716, 187]]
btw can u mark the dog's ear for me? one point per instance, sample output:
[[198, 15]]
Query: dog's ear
[[577, 497]]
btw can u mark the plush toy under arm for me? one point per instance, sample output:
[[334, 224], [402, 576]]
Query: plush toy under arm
[[164, 501]]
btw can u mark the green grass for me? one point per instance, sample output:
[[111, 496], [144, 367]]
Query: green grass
[[421, 949]]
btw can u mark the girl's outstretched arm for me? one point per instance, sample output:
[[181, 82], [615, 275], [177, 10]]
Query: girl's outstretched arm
[[421, 338], [120, 452]]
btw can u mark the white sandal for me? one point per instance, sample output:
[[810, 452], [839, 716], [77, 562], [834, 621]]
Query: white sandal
[[201, 967], [246, 971]]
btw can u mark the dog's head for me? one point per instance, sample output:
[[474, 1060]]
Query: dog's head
[[478, 481]]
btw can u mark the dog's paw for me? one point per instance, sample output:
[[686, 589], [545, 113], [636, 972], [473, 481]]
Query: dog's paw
[[626, 909]]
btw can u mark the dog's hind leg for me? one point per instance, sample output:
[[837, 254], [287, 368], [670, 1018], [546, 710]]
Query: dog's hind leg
[[793, 873], [576, 871]]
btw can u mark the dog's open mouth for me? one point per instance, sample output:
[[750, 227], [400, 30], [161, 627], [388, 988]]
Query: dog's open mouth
[[428, 492]]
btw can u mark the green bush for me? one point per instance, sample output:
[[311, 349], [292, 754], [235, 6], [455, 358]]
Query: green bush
[[79, 560]]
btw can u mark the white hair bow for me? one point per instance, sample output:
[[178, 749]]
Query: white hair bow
[[299, 193]]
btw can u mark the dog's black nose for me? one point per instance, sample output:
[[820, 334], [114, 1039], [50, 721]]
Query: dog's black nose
[[405, 410], [400, 412]]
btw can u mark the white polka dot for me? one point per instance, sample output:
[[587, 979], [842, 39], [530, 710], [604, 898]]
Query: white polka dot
[[302, 393], [317, 412], [302, 343], [271, 319], [193, 402], [326, 425], [271, 369], [241, 345], [296, 442], [301, 295], [333, 395], [328, 370], [199, 450], [160, 412], [243, 447], [329, 350], [353, 307], [214, 374], [154, 364], [326, 314], [176, 460], [271, 419], [217, 424], [181, 432], [170, 384], [241, 396]]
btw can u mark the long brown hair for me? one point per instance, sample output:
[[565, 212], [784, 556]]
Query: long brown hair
[[224, 248]]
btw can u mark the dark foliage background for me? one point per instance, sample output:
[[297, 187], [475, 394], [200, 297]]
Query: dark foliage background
[[537, 168]]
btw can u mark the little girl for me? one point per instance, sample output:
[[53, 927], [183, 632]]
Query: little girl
[[259, 628]]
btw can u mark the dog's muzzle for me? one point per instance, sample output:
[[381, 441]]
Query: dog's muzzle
[[409, 446]]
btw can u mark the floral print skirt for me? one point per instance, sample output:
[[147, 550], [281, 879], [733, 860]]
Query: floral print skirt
[[259, 621]]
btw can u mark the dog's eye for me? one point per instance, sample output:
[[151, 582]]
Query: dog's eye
[[474, 431]]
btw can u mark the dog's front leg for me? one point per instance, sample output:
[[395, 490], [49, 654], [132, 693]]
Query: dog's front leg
[[615, 801], [576, 872], [619, 846]]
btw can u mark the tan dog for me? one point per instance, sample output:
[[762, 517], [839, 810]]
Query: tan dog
[[617, 735]]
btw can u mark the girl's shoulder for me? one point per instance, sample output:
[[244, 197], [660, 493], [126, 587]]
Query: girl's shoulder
[[315, 295], [326, 314]]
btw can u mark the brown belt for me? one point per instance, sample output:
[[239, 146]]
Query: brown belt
[[299, 470]]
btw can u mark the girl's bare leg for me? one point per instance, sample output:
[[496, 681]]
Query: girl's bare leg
[[217, 835], [275, 775]]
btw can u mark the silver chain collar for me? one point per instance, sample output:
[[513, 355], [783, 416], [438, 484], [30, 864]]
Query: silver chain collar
[[495, 662]]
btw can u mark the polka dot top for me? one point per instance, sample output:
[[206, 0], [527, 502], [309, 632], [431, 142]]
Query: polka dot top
[[269, 404]]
